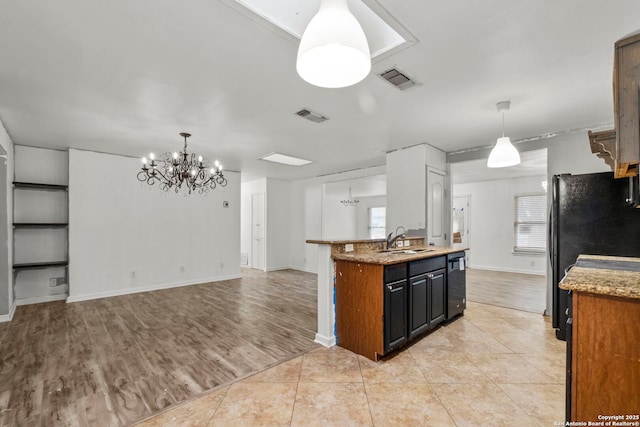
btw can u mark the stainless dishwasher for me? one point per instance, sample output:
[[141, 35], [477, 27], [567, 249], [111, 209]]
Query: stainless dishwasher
[[456, 284]]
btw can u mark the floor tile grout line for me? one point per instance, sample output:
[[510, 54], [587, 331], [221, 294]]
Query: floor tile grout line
[[364, 387], [295, 396], [218, 406], [432, 388]]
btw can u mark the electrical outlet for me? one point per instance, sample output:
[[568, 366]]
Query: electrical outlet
[[132, 275], [532, 264], [407, 243], [53, 282], [348, 247], [221, 265], [182, 269]]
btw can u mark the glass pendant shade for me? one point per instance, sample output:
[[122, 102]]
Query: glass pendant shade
[[504, 154], [333, 51]]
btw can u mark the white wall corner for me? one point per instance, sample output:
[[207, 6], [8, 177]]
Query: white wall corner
[[9, 316]]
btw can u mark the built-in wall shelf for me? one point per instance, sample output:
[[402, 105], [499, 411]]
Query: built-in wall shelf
[[39, 186], [39, 265], [40, 225]]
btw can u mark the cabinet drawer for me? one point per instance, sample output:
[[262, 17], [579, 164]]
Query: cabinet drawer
[[395, 272], [425, 265]]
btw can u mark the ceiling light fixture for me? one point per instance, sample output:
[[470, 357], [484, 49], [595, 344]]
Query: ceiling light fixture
[[350, 202], [285, 160], [176, 169], [504, 154], [333, 51]]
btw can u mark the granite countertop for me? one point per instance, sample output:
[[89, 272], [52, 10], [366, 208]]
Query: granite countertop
[[400, 255], [604, 275], [346, 241]]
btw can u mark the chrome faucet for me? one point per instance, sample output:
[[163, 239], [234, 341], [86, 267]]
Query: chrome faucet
[[392, 241]]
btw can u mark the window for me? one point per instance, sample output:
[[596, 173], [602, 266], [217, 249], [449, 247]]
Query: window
[[377, 222], [530, 227]]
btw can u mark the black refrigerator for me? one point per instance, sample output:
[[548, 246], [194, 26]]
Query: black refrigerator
[[590, 214]]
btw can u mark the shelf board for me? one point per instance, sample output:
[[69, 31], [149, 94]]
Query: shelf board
[[38, 186], [37, 265], [40, 224]]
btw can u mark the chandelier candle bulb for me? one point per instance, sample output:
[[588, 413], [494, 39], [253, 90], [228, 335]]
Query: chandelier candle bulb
[[174, 169], [152, 156]]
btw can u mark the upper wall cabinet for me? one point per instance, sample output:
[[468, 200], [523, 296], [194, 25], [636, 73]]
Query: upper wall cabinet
[[626, 81]]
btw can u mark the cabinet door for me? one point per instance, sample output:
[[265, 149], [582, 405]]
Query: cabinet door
[[437, 297], [395, 314], [418, 302]]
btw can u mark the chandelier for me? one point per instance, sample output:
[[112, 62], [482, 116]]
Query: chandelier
[[173, 170], [350, 202]]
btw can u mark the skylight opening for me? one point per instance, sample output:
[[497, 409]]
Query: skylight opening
[[285, 160]]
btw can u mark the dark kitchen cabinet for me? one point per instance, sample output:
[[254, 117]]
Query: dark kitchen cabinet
[[395, 306], [437, 286], [419, 304], [395, 315]]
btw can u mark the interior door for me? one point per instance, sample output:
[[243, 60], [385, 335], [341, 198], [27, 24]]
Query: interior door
[[436, 195], [257, 232]]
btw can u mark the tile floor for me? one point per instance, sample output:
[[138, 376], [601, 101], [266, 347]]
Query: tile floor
[[492, 367]]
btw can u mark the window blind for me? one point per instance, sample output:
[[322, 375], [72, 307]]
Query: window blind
[[530, 227]]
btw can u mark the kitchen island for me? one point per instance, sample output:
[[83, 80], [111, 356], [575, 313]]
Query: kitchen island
[[384, 299], [603, 343]]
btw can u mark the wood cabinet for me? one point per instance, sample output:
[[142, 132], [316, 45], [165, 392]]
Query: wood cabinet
[[626, 104], [605, 357], [379, 308]]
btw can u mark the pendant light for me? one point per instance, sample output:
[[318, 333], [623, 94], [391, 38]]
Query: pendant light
[[333, 51], [504, 153]]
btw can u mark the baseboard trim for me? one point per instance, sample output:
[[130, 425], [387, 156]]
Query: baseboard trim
[[284, 267], [306, 270], [9, 316], [38, 300], [128, 291], [507, 270], [325, 341]]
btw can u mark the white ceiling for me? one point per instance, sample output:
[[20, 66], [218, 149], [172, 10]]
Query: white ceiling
[[126, 77]]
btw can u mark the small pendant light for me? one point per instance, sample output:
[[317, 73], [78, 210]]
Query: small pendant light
[[333, 51], [504, 154]]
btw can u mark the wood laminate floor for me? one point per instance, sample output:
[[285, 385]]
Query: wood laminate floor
[[114, 361], [519, 291]]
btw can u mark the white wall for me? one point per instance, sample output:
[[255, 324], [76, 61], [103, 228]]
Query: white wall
[[491, 224], [119, 225], [306, 202], [362, 214], [407, 190], [248, 189], [338, 221], [278, 215], [7, 299]]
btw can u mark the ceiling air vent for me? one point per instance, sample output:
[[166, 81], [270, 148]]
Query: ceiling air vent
[[398, 79], [310, 115]]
